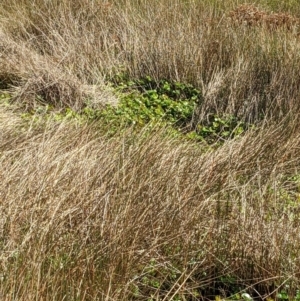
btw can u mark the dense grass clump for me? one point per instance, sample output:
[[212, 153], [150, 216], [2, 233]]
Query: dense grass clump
[[149, 150]]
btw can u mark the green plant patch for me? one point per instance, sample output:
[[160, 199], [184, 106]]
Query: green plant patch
[[4, 97], [145, 101], [218, 129]]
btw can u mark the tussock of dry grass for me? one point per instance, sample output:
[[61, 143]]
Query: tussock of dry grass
[[84, 216], [251, 15], [55, 48]]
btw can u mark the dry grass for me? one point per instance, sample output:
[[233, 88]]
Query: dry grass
[[84, 216], [55, 49]]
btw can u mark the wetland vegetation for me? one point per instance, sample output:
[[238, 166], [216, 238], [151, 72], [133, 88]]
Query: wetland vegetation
[[149, 150]]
